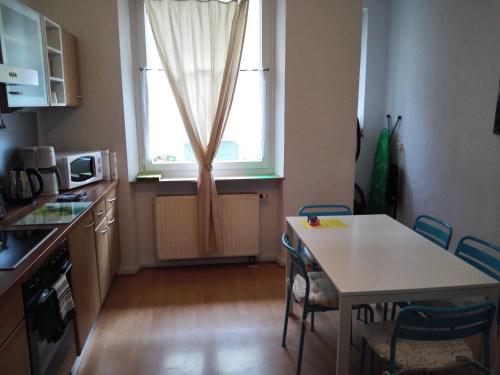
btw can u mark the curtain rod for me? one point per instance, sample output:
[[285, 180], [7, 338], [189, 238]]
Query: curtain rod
[[144, 69]]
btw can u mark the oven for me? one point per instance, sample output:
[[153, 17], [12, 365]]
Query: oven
[[46, 295]]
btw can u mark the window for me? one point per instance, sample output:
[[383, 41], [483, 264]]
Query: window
[[245, 145]]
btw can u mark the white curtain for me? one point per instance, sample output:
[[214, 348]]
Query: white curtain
[[200, 44]]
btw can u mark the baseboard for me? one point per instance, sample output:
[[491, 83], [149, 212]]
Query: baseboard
[[208, 261], [280, 261], [131, 270]]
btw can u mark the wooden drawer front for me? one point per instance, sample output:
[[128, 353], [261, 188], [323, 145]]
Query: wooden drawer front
[[11, 312], [14, 353], [110, 200], [99, 212]]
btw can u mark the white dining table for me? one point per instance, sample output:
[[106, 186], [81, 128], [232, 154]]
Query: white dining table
[[375, 259]]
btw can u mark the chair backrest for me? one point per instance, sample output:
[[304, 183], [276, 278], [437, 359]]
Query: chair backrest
[[298, 263], [325, 210], [481, 254], [434, 229], [443, 324]]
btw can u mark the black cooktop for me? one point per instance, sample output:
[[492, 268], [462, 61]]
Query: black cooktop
[[16, 245]]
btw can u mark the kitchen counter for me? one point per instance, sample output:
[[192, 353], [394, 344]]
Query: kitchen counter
[[11, 278]]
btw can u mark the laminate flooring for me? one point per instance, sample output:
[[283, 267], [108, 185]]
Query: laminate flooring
[[225, 319]]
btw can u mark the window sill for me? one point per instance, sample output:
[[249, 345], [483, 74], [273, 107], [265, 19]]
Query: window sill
[[225, 178]]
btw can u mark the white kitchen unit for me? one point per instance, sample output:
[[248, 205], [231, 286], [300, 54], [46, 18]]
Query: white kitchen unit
[[21, 42], [38, 53], [55, 67]]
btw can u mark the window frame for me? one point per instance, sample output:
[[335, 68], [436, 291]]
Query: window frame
[[183, 170]]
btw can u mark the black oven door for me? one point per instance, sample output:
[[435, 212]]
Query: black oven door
[[49, 345]]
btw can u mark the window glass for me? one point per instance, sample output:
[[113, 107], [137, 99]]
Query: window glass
[[243, 139]]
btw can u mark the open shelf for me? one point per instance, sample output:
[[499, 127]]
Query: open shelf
[[56, 79], [53, 51], [55, 67], [53, 35], [57, 97]]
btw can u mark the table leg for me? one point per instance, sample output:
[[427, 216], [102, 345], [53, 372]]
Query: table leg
[[344, 338]]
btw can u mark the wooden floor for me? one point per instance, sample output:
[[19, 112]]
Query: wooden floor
[[206, 320]]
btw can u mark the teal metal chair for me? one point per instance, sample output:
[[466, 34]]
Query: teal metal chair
[[483, 255], [319, 298], [401, 343], [321, 210], [435, 230]]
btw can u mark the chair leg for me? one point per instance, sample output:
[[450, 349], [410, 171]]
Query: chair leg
[[312, 321], [358, 313], [350, 340], [370, 310], [372, 362], [486, 351], [366, 314], [287, 310], [363, 353], [393, 312], [301, 345], [386, 306]]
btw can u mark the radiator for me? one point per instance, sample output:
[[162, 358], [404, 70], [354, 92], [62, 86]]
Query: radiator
[[176, 226]]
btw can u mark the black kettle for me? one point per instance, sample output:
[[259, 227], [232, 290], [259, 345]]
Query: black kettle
[[21, 186]]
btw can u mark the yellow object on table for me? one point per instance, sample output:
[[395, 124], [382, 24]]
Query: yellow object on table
[[326, 223]]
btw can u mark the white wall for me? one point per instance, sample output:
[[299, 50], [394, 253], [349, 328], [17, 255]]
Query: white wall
[[320, 101], [444, 66], [375, 89], [320, 66], [99, 122]]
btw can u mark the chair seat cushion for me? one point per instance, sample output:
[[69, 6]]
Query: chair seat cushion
[[413, 354], [321, 290]]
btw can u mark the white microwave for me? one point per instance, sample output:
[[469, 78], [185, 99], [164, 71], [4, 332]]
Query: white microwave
[[79, 169]]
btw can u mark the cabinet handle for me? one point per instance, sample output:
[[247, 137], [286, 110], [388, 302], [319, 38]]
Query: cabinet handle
[[104, 230], [100, 212], [111, 221], [111, 200], [89, 225], [15, 92]]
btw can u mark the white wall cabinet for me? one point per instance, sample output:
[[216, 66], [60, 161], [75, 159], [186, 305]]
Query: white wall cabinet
[[22, 44], [31, 41], [61, 62]]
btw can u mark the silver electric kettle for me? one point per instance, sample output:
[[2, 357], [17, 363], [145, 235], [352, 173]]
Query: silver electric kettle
[[21, 186]]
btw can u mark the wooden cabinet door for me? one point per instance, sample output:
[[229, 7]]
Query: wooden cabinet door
[[114, 241], [84, 277], [14, 353], [70, 66], [103, 258]]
